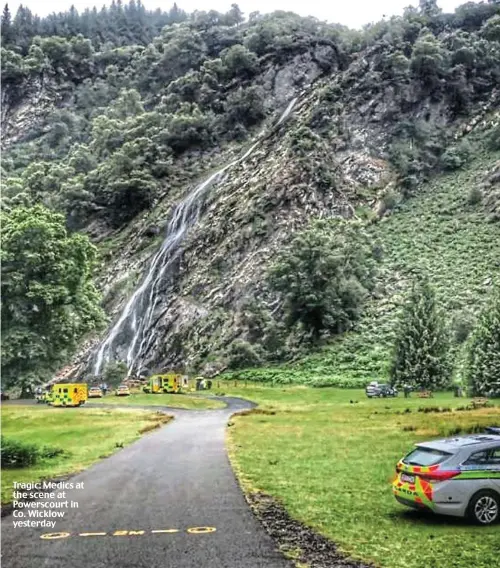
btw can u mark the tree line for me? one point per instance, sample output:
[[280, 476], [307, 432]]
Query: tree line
[[119, 24]]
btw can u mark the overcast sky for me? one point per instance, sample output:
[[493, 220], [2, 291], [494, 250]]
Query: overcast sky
[[353, 13]]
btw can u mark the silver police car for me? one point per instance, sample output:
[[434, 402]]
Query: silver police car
[[454, 476]]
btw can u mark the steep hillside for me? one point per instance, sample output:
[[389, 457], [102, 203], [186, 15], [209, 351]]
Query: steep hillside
[[193, 161], [443, 232]]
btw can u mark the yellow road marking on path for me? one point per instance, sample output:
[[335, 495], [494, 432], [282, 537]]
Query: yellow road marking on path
[[192, 530], [53, 536]]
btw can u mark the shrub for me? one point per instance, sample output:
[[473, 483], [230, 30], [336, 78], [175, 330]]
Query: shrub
[[239, 61], [49, 452], [115, 372], [474, 196], [456, 157], [242, 354], [245, 106], [494, 138], [18, 454]]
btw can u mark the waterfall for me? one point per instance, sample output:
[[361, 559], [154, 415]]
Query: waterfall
[[136, 318]]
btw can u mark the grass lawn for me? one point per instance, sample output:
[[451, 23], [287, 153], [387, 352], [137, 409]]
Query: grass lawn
[[173, 400], [87, 435], [330, 463]]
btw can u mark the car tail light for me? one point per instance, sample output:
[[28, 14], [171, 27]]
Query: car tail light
[[440, 475]]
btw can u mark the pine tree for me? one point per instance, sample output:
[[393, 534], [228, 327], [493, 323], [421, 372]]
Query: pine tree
[[421, 349], [483, 360], [7, 35]]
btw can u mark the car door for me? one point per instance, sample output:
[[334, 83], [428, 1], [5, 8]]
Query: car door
[[474, 475], [494, 466]]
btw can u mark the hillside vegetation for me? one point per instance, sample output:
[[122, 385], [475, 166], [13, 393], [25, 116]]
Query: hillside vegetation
[[439, 232], [111, 119]]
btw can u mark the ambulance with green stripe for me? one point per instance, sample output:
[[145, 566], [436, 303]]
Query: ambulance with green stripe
[[454, 476]]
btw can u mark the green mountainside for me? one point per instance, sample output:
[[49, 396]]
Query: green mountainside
[[440, 232], [116, 120]]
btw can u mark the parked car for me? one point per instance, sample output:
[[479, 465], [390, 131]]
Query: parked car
[[122, 390], [95, 392], [374, 389], [454, 476], [4, 396]]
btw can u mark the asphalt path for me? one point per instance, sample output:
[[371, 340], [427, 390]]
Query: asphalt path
[[169, 500]]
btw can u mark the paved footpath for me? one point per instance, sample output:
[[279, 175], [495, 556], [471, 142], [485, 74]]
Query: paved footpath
[[169, 500]]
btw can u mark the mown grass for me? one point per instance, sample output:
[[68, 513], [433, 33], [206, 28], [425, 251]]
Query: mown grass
[[86, 435], [172, 400], [329, 455]]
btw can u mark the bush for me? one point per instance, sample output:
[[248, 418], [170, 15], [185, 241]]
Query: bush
[[456, 156], [18, 454], [245, 106], [242, 354], [239, 61], [494, 138], [115, 372], [474, 196]]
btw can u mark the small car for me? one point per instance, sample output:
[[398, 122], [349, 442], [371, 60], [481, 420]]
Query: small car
[[376, 390], [94, 392], [453, 476], [122, 390], [4, 396]]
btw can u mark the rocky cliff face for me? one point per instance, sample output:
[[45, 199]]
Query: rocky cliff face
[[314, 164], [359, 127]]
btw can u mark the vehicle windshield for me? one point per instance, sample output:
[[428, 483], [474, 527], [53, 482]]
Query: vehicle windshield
[[425, 457]]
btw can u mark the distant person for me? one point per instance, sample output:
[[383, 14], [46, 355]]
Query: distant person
[[407, 390], [104, 388]]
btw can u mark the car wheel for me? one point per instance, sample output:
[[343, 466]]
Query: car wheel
[[484, 507]]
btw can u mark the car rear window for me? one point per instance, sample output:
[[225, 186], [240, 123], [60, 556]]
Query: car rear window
[[425, 457]]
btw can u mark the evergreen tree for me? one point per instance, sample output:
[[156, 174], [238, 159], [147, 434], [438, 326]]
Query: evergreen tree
[[421, 348], [483, 361], [23, 28], [7, 35]]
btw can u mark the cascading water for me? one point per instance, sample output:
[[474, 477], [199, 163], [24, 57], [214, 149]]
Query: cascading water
[[133, 325]]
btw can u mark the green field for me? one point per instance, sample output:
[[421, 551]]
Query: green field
[[330, 462], [86, 435], [172, 400]]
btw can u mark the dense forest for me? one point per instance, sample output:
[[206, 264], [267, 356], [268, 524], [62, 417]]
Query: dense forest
[[126, 104]]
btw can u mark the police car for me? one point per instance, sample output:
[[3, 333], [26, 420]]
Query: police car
[[453, 476]]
